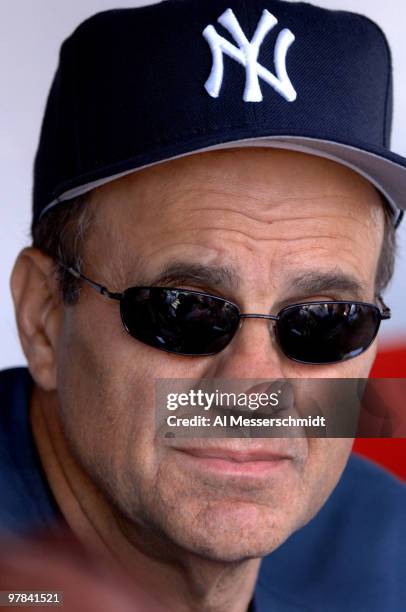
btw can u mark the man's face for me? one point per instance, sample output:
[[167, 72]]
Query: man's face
[[271, 217]]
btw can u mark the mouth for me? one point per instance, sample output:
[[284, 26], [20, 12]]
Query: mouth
[[235, 462]]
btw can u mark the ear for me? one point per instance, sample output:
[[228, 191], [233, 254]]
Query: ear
[[38, 310]]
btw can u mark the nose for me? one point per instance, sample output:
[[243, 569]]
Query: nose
[[253, 353]]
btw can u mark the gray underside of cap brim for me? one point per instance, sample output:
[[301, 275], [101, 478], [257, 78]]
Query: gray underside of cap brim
[[387, 176]]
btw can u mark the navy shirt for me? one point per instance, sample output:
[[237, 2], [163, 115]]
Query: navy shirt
[[351, 557]]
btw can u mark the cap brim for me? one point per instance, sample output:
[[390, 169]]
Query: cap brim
[[385, 170]]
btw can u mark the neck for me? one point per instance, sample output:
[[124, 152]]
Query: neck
[[174, 578]]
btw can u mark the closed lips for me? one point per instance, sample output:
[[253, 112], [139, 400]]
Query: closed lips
[[233, 455]]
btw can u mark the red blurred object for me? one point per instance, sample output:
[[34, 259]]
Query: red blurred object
[[390, 362], [390, 453], [54, 561]]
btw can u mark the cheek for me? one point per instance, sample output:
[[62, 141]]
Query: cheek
[[106, 388], [326, 461]]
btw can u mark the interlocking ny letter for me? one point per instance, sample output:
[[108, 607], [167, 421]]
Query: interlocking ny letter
[[246, 54]]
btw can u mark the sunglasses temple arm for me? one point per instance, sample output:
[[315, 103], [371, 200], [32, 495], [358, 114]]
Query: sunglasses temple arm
[[99, 288], [385, 310]]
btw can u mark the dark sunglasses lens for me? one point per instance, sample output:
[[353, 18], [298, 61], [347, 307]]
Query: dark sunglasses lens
[[327, 333], [183, 322]]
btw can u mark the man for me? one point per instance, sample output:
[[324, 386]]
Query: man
[[175, 170]]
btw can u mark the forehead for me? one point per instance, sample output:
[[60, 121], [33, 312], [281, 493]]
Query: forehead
[[267, 202], [264, 177]]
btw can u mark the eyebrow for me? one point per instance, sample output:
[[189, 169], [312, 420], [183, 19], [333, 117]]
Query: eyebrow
[[315, 282], [298, 286], [182, 272]]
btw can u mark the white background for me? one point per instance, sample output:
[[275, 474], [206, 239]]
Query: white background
[[31, 32]]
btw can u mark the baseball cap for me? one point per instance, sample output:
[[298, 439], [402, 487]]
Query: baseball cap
[[137, 87]]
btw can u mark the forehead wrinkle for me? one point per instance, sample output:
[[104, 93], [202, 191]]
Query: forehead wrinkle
[[248, 214], [273, 213], [188, 201], [191, 218], [253, 238], [349, 254], [264, 194]]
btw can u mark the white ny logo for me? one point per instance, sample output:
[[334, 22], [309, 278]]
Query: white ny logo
[[247, 55]]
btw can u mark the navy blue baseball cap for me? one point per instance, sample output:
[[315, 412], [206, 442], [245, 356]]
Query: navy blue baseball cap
[[137, 87]]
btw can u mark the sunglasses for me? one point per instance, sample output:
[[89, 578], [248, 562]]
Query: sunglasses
[[193, 323]]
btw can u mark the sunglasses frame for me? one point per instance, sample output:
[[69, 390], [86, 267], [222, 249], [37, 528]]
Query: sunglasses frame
[[383, 311]]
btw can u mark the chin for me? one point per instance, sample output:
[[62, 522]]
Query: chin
[[232, 532], [236, 549]]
